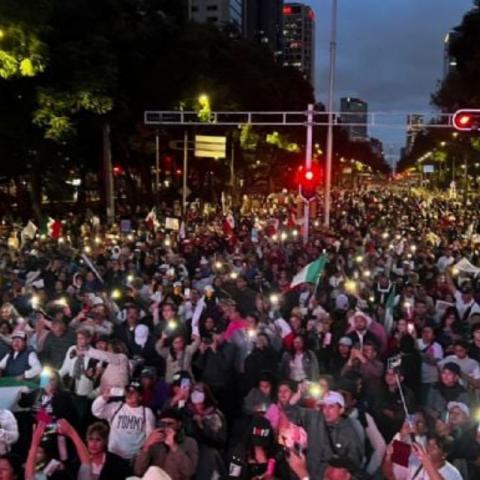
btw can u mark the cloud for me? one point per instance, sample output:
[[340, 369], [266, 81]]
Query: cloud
[[389, 52]]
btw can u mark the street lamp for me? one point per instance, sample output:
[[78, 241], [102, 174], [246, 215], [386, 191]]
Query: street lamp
[[443, 144], [2, 33]]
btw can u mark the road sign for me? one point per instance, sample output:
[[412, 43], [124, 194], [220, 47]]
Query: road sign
[[209, 146]]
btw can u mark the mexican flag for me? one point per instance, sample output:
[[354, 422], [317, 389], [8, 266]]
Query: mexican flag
[[51, 227], [389, 306], [151, 220], [229, 224], [311, 273]]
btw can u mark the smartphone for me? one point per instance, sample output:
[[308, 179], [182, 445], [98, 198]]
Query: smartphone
[[410, 328], [117, 392], [185, 384]]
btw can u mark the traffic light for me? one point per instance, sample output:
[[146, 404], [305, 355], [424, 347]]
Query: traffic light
[[308, 181], [466, 120]]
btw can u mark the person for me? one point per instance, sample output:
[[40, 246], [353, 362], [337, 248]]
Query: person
[[329, 433], [338, 468], [56, 344], [178, 357], [433, 463], [206, 424], [431, 353], [130, 422], [215, 362], [299, 364], [366, 363], [21, 362], [469, 368], [55, 469], [388, 406], [105, 465], [448, 389], [364, 425], [169, 448], [262, 358], [340, 356], [116, 366], [8, 431]]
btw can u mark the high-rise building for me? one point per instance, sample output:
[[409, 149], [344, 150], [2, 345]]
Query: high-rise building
[[263, 23], [449, 61], [354, 113], [218, 12], [415, 125], [299, 38]]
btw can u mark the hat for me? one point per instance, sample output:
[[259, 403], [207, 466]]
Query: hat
[[333, 398], [464, 408], [97, 301], [19, 334], [177, 284], [261, 432], [153, 473], [452, 367], [208, 288], [179, 376], [134, 385], [346, 341], [148, 372]]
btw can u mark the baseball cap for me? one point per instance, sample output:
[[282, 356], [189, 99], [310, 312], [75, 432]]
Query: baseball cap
[[19, 334], [148, 372], [346, 341], [333, 398], [452, 367], [135, 386]]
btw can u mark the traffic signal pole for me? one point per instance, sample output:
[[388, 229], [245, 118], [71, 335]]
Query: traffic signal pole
[[331, 95], [308, 167]]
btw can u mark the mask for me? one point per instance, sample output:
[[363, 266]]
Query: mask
[[197, 397]]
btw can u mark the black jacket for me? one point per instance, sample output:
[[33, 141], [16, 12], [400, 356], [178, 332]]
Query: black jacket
[[62, 404]]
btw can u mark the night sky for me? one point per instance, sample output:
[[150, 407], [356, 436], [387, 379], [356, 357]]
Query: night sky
[[389, 53]]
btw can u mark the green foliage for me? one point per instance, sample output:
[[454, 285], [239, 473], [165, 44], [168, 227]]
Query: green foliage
[[21, 52]]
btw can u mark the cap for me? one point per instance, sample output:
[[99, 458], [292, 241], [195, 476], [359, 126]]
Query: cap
[[153, 473], [19, 334], [452, 367], [148, 372], [346, 341], [208, 288], [135, 386], [464, 408], [179, 376], [333, 398]]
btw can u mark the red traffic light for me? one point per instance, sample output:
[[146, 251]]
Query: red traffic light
[[118, 170], [466, 120], [308, 180]]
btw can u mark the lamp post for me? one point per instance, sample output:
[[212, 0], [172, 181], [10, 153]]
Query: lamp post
[[331, 94]]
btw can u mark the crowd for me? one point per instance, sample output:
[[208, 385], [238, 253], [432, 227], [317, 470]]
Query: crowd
[[139, 351]]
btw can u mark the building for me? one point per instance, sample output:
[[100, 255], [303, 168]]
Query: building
[[299, 39], [415, 125], [221, 13], [449, 61], [263, 23], [354, 113]]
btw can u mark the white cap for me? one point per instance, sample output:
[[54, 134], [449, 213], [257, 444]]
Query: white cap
[[153, 473], [461, 406], [333, 398]]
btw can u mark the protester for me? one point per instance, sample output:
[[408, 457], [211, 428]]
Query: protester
[[261, 374]]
